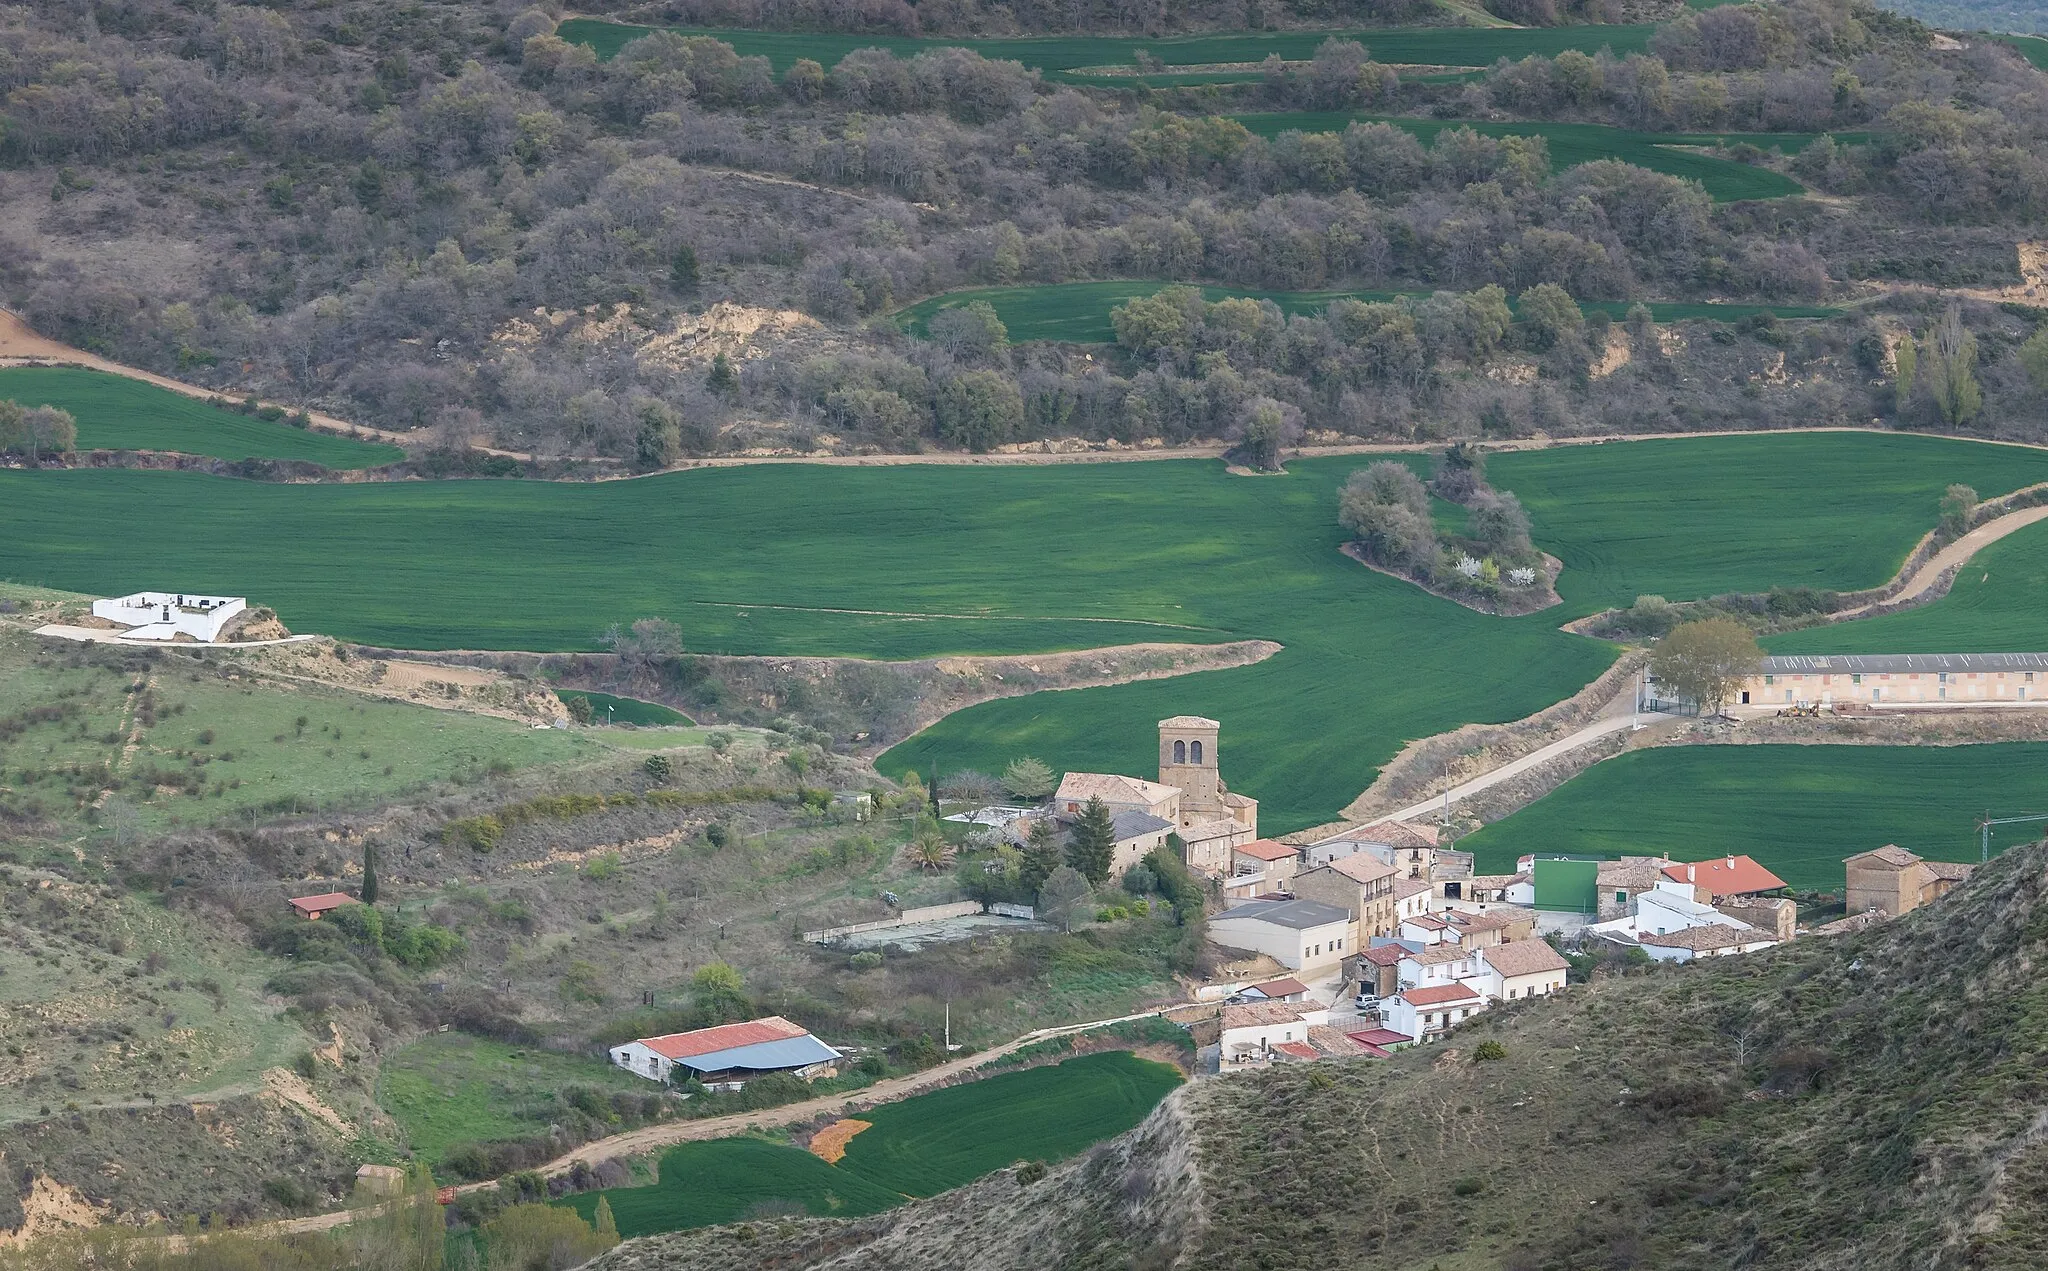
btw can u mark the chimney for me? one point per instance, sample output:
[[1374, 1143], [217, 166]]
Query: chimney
[[1731, 862], [1688, 874]]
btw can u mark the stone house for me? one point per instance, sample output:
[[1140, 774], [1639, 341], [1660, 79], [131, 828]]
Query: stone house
[[1892, 880], [1359, 884]]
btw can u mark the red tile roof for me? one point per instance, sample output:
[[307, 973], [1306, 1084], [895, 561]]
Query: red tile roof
[[1261, 1014], [1285, 986], [1266, 850], [1523, 957], [1385, 955], [1406, 887], [1725, 875], [1360, 868], [1380, 1037], [1397, 834], [1298, 1050], [323, 902], [723, 1037], [1438, 995], [1890, 854], [1703, 939]]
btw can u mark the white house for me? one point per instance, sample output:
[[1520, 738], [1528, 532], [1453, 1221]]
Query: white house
[[1301, 935], [1424, 1014], [1254, 1031], [728, 1056], [1519, 969], [1437, 964], [166, 615], [1412, 897], [1410, 847], [1662, 910], [1703, 942]]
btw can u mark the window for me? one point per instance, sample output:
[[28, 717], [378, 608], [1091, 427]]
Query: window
[[1943, 677], [1770, 679], [1180, 752], [1855, 679], [1195, 751]]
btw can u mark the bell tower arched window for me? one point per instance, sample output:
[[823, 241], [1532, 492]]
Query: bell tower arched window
[[1197, 751], [1180, 751]]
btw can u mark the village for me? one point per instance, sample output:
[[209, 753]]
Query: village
[[1353, 945]]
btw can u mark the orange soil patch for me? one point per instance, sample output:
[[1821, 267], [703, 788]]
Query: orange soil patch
[[829, 1144]]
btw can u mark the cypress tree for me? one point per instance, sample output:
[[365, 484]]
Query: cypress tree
[[607, 1226], [369, 874], [1092, 847], [932, 791]]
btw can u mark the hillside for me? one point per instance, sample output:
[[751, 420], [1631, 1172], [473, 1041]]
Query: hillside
[[1870, 1102]]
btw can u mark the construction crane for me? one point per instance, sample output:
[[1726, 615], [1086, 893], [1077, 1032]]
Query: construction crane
[[1985, 822]]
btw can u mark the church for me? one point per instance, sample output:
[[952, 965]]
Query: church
[[1189, 796]]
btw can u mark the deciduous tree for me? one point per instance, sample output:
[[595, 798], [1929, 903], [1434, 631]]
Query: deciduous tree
[[1028, 778], [1952, 369], [1705, 661], [1063, 895]]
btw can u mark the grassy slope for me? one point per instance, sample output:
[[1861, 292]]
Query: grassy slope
[[1078, 312], [96, 1026], [116, 413], [1370, 662], [920, 1146], [320, 765], [1996, 606], [1866, 1103], [450, 1088], [1799, 809], [923, 1146], [1572, 144], [1058, 56]]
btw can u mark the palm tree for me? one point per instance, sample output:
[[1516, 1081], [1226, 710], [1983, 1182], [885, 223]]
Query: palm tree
[[930, 850]]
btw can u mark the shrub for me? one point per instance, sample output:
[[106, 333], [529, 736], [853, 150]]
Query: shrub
[[1030, 1172], [658, 768], [1467, 1187], [1140, 881], [865, 960], [1488, 1051]]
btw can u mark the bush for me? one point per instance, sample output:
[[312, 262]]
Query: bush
[[1140, 881], [1030, 1172], [1488, 1051], [865, 960], [1467, 1187], [658, 768]]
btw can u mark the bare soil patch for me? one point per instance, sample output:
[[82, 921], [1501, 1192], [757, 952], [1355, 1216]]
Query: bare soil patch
[[829, 1144]]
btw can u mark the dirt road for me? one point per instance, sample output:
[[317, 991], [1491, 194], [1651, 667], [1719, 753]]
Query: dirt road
[[1957, 554], [653, 1137]]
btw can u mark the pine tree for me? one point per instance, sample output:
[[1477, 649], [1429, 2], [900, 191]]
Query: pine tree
[[1092, 847], [933, 791], [369, 874], [1041, 855], [607, 1226], [682, 268]]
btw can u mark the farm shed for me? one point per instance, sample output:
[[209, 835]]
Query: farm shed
[[727, 1056], [311, 907], [1897, 679]]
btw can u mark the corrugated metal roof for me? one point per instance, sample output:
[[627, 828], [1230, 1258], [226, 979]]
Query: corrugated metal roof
[[793, 1052], [1895, 663], [1298, 914]]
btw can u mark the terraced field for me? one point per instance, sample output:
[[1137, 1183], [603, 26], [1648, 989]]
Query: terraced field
[[918, 1147], [936, 1141], [915, 561], [607, 709], [1067, 58], [704, 1184], [1798, 809], [1078, 312], [1999, 604], [117, 413], [1677, 154]]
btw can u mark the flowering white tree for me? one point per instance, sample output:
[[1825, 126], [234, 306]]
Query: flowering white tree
[[1523, 577], [1468, 567]]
